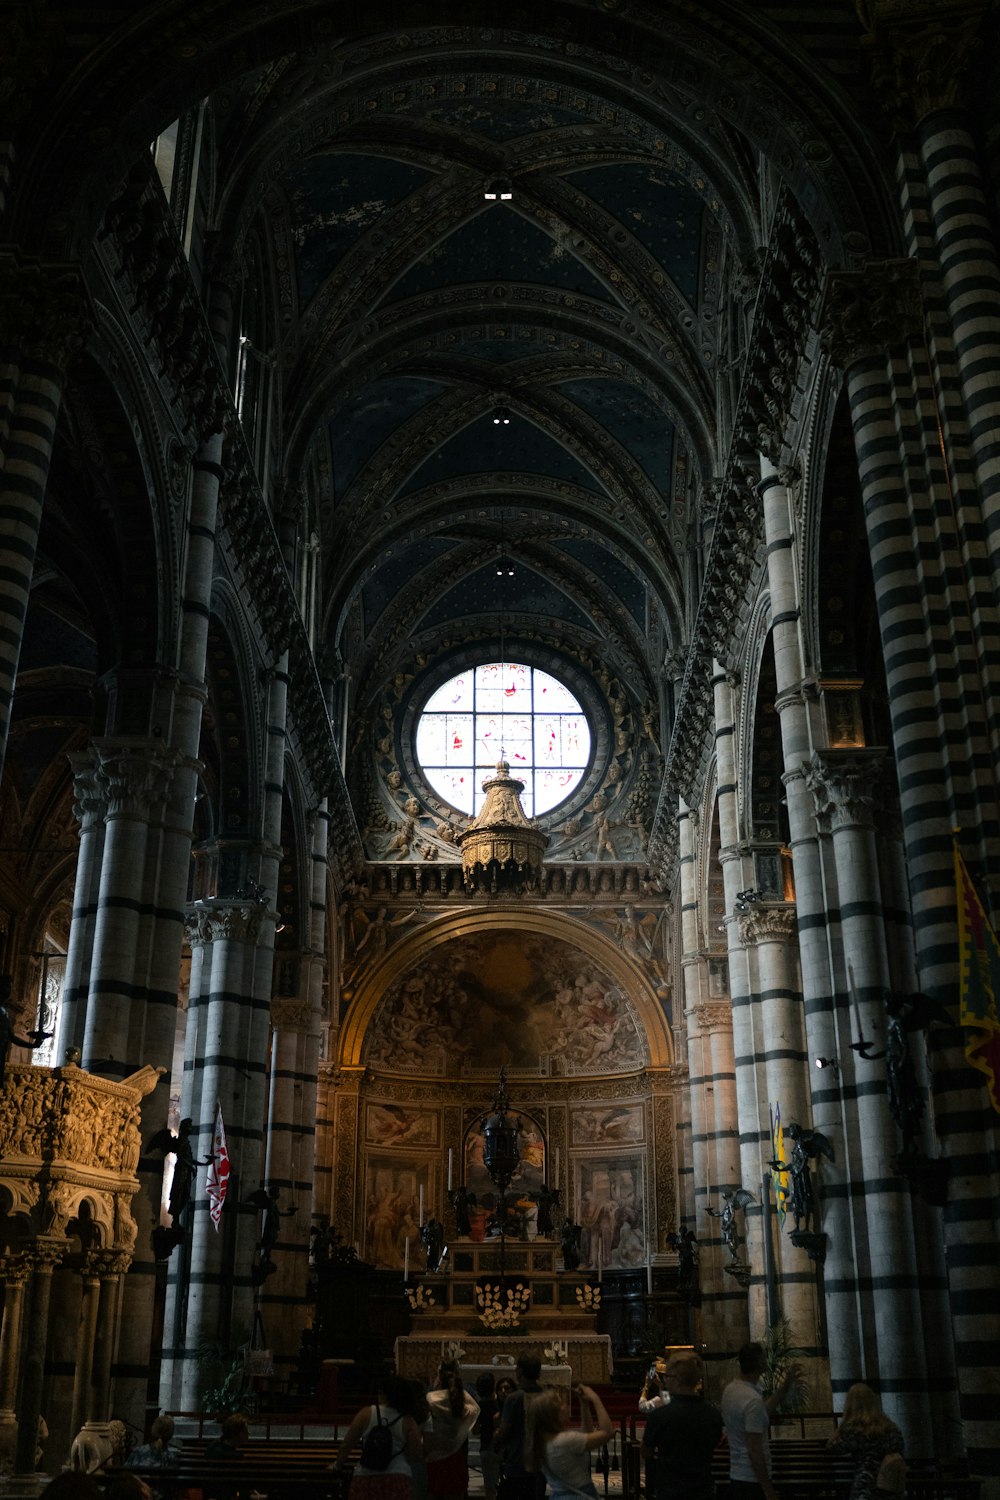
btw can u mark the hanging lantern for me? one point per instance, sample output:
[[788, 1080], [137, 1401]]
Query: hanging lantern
[[501, 1152], [501, 848]]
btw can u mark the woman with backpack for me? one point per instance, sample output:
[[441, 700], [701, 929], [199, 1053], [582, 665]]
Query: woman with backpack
[[389, 1439], [453, 1415]]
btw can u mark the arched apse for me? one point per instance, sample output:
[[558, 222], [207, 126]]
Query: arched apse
[[463, 946]]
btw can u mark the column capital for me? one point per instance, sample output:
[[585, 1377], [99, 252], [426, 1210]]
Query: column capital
[[711, 1015], [45, 312], [290, 1014], [135, 774], [848, 787], [217, 918], [90, 802], [16, 1268], [46, 1251], [768, 924], [920, 55], [864, 313]]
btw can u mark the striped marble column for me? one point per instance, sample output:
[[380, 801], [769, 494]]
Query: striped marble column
[[90, 805], [737, 873], [135, 775], [965, 238], [938, 755], [42, 323], [715, 1153], [770, 931], [801, 717], [228, 1070]]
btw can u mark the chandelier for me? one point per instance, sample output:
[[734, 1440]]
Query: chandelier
[[501, 847]]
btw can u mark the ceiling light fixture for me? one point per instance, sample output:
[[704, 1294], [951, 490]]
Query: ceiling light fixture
[[501, 417], [499, 190]]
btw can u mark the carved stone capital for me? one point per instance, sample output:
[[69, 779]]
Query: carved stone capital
[[16, 1268], [216, 919], [864, 313], [90, 802], [290, 1015], [46, 1252], [768, 924], [848, 788], [44, 311], [921, 57], [711, 1016], [135, 775]]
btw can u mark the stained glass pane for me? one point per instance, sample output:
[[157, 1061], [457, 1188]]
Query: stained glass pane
[[455, 694], [552, 697], [455, 787]]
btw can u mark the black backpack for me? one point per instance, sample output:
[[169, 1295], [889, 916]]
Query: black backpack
[[376, 1446]]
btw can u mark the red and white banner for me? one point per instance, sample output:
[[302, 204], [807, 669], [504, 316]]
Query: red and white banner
[[217, 1179]]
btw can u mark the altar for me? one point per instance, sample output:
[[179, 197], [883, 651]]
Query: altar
[[588, 1356]]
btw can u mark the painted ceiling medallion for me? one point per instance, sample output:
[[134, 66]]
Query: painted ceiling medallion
[[501, 848]]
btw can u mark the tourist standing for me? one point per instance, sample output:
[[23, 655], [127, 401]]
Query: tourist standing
[[747, 1416], [453, 1415], [681, 1436], [518, 1481], [870, 1437], [392, 1410], [562, 1451]]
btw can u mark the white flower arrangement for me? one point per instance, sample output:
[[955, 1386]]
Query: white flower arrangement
[[589, 1298], [555, 1353], [420, 1298], [495, 1312]]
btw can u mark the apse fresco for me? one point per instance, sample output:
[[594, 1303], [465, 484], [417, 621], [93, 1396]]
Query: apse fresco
[[532, 1004]]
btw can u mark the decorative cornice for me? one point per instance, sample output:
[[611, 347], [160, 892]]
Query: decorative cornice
[[710, 1015], [218, 918]]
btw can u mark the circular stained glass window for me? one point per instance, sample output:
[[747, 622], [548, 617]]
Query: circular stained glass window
[[503, 712]]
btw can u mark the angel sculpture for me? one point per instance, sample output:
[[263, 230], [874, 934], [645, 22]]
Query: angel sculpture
[[686, 1246], [906, 1014], [734, 1199], [266, 1199], [185, 1166], [808, 1144]]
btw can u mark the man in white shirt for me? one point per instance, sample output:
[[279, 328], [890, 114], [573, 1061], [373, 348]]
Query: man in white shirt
[[748, 1419]]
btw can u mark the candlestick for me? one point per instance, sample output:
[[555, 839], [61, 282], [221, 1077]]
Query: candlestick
[[421, 1206], [600, 1261], [449, 1168], [555, 1182], [649, 1279], [406, 1259], [854, 998]]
